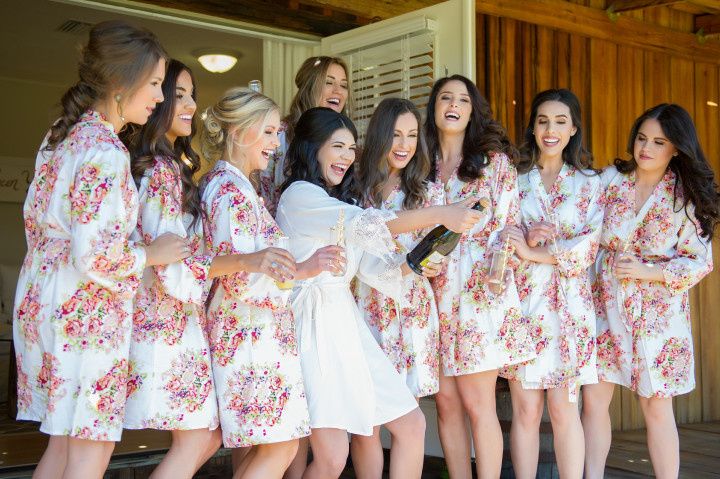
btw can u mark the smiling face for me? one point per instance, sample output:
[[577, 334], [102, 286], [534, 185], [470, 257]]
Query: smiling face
[[336, 155], [335, 88], [140, 105], [553, 128], [652, 150], [184, 108], [253, 150], [405, 138], [452, 107]]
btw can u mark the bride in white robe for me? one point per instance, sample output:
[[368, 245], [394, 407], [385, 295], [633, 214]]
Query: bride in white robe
[[350, 384]]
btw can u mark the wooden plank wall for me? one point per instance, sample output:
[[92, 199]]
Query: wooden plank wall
[[615, 84]]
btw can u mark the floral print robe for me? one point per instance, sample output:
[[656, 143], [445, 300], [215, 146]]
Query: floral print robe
[[479, 330], [252, 330], [411, 340], [557, 299], [169, 347], [73, 313], [644, 340]]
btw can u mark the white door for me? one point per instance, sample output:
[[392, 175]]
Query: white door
[[403, 56]]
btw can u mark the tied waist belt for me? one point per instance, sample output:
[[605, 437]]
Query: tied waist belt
[[309, 304]]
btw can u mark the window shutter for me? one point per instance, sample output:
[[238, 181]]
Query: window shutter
[[397, 64]]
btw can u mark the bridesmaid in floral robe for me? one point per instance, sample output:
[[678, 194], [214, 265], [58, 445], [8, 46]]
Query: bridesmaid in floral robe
[[662, 208], [169, 346], [561, 212], [251, 329], [73, 317], [482, 328], [392, 175]]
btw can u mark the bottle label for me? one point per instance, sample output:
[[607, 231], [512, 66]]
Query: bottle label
[[434, 257]]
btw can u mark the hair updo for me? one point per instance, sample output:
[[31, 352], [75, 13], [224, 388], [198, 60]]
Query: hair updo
[[118, 56], [238, 110]]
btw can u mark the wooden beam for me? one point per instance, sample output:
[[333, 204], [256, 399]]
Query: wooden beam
[[295, 15], [594, 23], [618, 6], [710, 24], [378, 9]]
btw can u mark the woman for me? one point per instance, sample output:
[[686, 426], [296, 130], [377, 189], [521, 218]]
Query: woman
[[252, 331], [662, 208], [338, 352], [321, 81], [73, 317], [482, 328], [169, 347], [557, 241], [393, 169]]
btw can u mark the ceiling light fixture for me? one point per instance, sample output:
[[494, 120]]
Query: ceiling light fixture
[[217, 62]]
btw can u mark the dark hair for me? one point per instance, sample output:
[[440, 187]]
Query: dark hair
[[148, 143], [313, 129], [696, 183], [484, 135], [574, 153], [117, 56], [373, 168]]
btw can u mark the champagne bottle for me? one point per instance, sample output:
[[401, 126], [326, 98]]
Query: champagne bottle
[[437, 244]]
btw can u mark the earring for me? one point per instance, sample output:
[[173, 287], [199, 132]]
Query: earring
[[118, 97]]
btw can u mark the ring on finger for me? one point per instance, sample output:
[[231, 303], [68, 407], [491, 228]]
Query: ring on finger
[[273, 265]]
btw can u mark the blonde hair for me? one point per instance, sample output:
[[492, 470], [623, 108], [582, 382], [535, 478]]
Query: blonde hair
[[310, 80], [238, 110]]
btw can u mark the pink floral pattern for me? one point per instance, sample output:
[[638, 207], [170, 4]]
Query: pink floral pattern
[[169, 342], [251, 329], [75, 290], [557, 299], [647, 323], [410, 341], [471, 316]]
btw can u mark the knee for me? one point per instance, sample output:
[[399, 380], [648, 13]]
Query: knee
[[214, 442], [448, 403], [528, 413], [596, 399], [290, 451], [417, 424], [657, 410], [561, 412], [332, 464]]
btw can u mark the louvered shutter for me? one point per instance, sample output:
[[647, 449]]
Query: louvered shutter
[[403, 56], [401, 66]]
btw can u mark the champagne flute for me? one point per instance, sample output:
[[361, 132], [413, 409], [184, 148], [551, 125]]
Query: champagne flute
[[498, 263], [339, 230], [284, 243]]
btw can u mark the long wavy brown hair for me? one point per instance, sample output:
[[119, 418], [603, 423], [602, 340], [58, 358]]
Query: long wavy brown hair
[[574, 154], [483, 135], [118, 56], [149, 143], [373, 168], [696, 181], [309, 81]]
